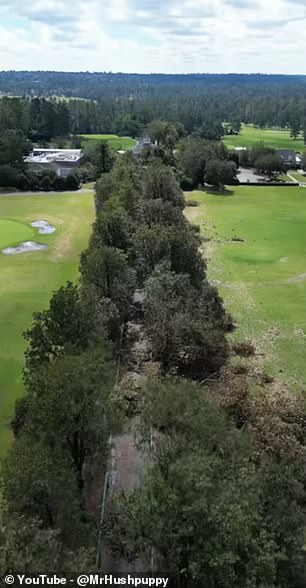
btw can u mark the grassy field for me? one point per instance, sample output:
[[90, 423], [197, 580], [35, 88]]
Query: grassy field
[[274, 138], [27, 280], [263, 277], [114, 140], [299, 177]]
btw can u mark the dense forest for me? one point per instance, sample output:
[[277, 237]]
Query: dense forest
[[125, 103]]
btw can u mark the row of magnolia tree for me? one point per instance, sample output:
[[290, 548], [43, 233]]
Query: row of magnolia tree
[[61, 426], [223, 503]]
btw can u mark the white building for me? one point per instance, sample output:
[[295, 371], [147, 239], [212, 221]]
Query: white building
[[62, 161]]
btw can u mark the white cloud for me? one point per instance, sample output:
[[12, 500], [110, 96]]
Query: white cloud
[[154, 35]]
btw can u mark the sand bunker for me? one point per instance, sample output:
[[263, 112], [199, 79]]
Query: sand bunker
[[45, 228], [24, 247]]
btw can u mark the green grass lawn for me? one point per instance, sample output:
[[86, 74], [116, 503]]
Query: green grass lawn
[[27, 280], [299, 177], [262, 278], [114, 140], [277, 139], [89, 185]]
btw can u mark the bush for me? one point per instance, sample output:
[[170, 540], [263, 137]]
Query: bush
[[186, 183], [72, 182], [59, 184], [46, 184], [22, 182], [34, 183], [8, 176]]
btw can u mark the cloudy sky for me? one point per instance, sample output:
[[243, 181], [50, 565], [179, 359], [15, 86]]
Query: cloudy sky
[[154, 35]]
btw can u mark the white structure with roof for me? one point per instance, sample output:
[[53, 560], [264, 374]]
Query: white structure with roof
[[62, 161]]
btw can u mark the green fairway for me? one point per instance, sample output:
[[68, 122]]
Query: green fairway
[[277, 139], [12, 232], [263, 277], [27, 280], [115, 141]]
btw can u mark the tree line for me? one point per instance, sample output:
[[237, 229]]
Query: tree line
[[126, 104], [28, 121]]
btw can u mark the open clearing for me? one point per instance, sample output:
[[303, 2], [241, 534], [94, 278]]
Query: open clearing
[[27, 280], [262, 278], [114, 140], [277, 139]]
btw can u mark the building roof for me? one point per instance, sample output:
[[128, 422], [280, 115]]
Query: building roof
[[54, 156], [287, 154], [142, 144]]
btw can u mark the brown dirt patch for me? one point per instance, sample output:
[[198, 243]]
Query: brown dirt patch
[[64, 244]]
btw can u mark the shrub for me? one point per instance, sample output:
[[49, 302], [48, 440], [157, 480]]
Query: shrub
[[72, 182], [22, 182], [7, 176], [59, 184], [46, 184]]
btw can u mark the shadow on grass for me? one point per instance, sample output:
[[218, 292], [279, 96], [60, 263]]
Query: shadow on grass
[[224, 192]]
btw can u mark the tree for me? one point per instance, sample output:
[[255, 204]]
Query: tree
[[39, 482], [108, 270], [295, 128], [67, 326], [164, 133], [68, 406], [62, 120], [27, 546], [8, 176], [258, 151], [103, 158], [269, 164], [193, 155], [211, 131], [77, 142], [304, 130], [104, 190], [175, 244], [112, 228], [232, 518], [159, 183], [13, 148], [185, 326], [218, 173], [126, 184], [127, 125]]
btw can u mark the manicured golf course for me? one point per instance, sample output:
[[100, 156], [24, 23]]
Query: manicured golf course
[[274, 138], [257, 258], [27, 280], [114, 140]]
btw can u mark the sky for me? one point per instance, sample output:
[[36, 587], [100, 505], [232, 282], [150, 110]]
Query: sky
[[145, 36]]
